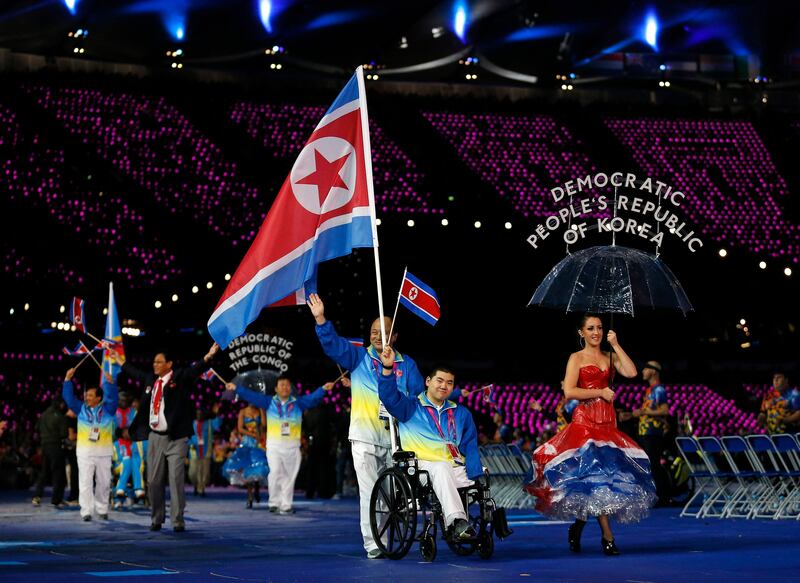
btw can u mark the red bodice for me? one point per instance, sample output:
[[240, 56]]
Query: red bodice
[[595, 411]]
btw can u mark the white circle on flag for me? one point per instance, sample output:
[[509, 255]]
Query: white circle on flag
[[309, 195], [413, 293]]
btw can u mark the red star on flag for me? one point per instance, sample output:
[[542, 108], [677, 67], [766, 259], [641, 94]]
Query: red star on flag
[[326, 175]]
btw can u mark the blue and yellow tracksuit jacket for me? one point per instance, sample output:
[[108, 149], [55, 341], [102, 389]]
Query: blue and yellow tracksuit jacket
[[103, 416], [420, 434], [284, 420], [203, 431], [365, 366]]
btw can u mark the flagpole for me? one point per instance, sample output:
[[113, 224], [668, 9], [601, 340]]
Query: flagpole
[[216, 374], [100, 366], [397, 305], [371, 194], [88, 354]]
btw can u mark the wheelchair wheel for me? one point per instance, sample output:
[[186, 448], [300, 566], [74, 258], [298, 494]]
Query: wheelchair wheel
[[393, 513], [461, 548], [485, 544], [427, 548]]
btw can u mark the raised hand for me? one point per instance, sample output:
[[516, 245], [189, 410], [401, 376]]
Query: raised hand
[[69, 375], [108, 377], [317, 308], [328, 386], [612, 339], [230, 387], [211, 352], [346, 382]]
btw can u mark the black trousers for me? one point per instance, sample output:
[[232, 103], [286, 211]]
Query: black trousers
[[72, 459], [54, 468], [653, 446]]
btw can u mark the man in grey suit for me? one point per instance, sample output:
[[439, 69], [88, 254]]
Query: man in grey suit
[[165, 420]]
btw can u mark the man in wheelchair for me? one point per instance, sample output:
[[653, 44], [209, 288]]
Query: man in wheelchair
[[442, 435]]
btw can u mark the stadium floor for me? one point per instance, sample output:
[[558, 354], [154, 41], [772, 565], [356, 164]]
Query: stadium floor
[[321, 542]]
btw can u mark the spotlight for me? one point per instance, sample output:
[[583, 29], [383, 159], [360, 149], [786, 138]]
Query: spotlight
[[723, 253], [508, 225], [437, 31], [174, 297], [105, 311], [195, 289], [264, 13], [651, 30], [26, 307], [445, 222], [11, 311], [477, 224], [62, 309], [158, 304], [209, 285], [378, 222], [227, 277], [787, 271], [742, 321], [403, 42], [53, 325], [762, 264], [410, 222]]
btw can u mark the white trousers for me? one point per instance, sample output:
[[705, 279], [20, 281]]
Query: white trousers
[[94, 482], [284, 464], [369, 460], [447, 479]]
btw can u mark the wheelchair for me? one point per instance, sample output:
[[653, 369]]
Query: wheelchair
[[405, 509]]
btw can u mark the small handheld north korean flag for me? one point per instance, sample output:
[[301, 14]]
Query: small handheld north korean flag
[[76, 315], [420, 299], [208, 375], [355, 341]]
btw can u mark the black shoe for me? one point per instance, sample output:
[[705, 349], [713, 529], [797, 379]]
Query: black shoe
[[574, 536], [87, 518], [462, 529], [103, 516], [179, 528], [609, 547], [155, 527], [249, 504], [273, 509]]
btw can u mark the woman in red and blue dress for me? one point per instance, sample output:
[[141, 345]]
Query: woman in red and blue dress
[[591, 468]]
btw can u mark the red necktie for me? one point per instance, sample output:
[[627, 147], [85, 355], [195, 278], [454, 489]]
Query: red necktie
[[157, 399]]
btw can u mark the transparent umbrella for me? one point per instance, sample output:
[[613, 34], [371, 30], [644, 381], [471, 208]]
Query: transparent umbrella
[[611, 280], [259, 379]]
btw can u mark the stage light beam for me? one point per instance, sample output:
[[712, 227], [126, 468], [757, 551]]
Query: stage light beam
[[72, 6], [651, 30], [264, 13], [460, 19]]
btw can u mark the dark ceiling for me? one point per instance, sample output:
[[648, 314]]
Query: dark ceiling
[[526, 36]]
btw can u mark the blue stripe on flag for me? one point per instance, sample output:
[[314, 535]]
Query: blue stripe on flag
[[332, 243], [418, 311], [417, 283], [348, 94]]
